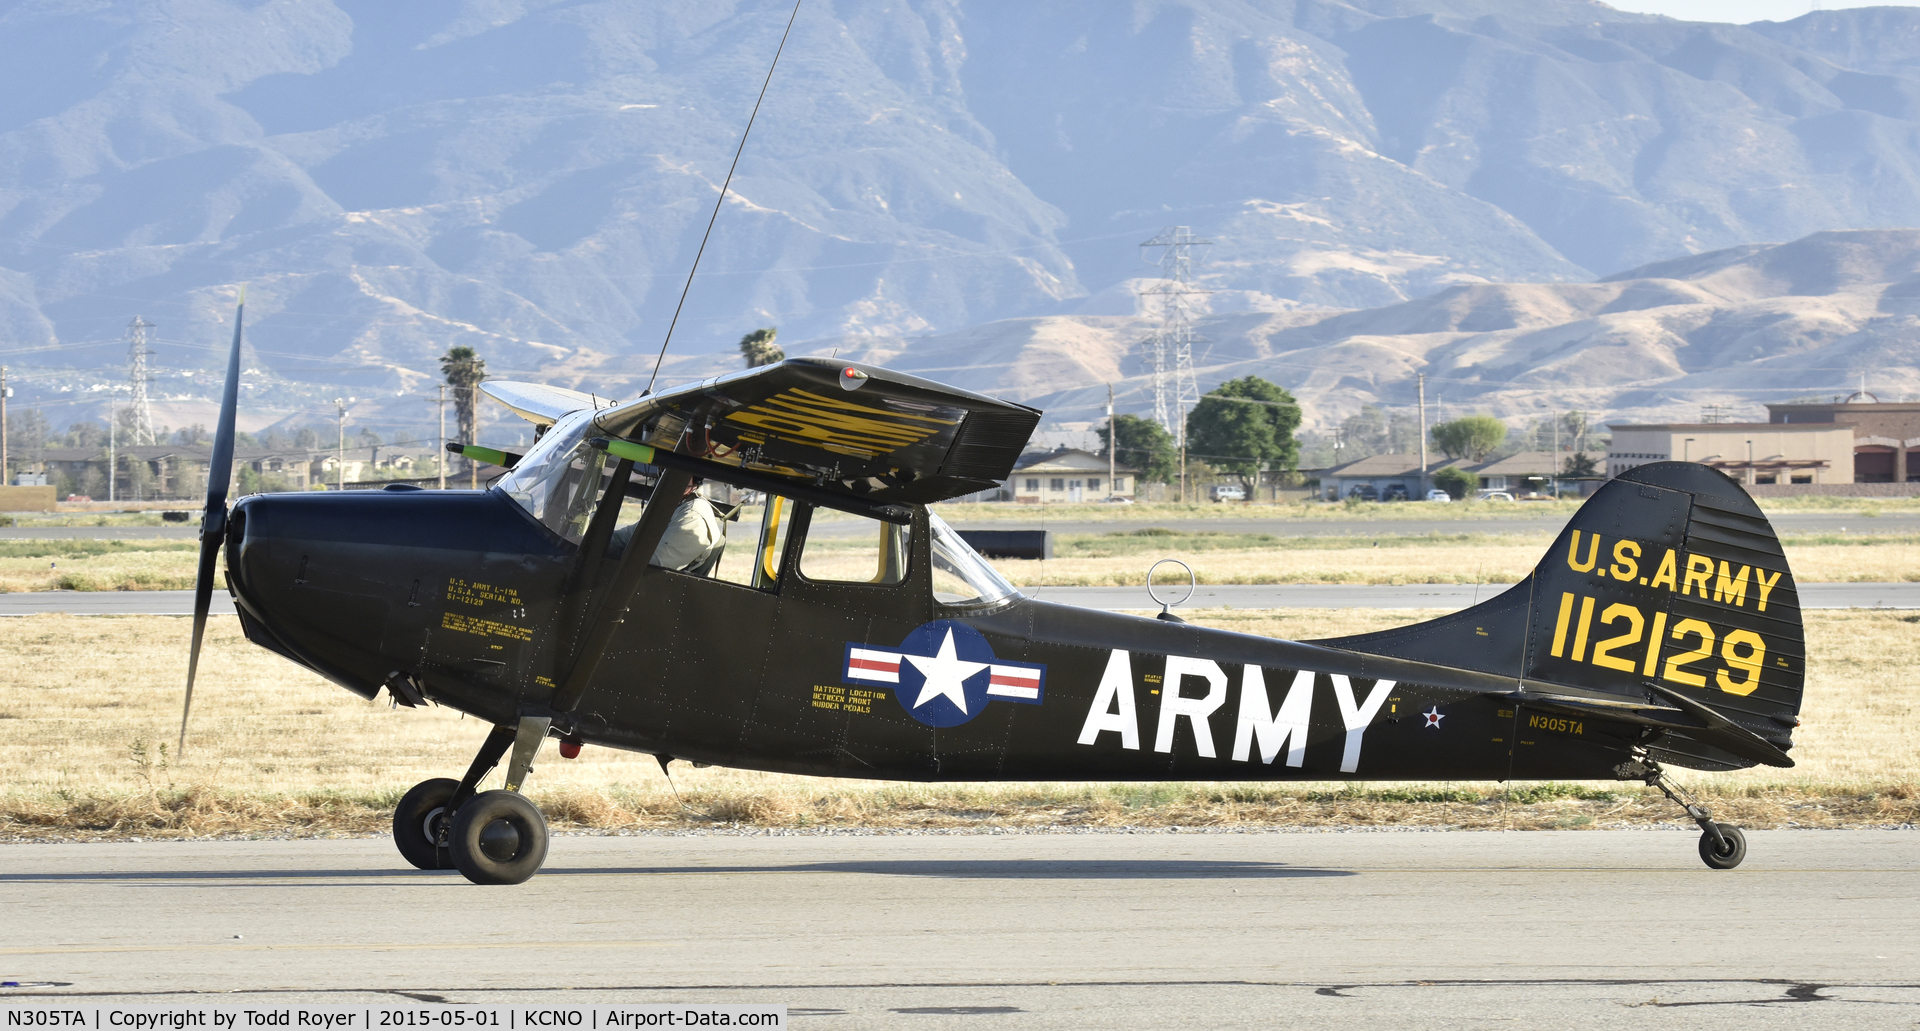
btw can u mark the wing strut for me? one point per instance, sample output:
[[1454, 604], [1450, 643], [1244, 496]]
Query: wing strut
[[213, 525]]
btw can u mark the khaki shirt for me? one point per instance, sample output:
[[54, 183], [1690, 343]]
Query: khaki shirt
[[694, 538]]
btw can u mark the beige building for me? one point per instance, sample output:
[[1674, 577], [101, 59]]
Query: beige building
[[1750, 452], [1068, 474], [1883, 434]]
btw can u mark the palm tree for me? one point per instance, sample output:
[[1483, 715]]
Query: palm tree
[[759, 349], [464, 370]]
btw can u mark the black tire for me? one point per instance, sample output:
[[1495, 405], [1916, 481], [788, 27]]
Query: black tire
[[499, 838], [1735, 852], [419, 822]]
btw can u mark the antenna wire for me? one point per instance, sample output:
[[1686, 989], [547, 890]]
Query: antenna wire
[[722, 198]]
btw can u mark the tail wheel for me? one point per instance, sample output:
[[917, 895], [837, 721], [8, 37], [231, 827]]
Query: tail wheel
[[1723, 856], [499, 838], [420, 824]]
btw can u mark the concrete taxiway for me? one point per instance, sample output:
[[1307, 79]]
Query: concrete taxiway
[[1150, 930], [1239, 596]]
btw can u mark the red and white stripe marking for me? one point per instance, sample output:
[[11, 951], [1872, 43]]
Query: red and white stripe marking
[[1014, 682], [871, 665]]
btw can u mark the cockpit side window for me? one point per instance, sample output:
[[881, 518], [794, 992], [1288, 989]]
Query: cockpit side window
[[559, 481], [960, 575], [759, 539]]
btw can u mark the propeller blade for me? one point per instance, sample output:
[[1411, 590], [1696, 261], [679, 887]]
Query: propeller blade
[[213, 525]]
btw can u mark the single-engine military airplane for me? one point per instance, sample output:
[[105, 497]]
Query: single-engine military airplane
[[853, 633]]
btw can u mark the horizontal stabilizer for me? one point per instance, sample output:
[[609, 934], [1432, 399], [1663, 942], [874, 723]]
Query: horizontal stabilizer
[[1686, 715]]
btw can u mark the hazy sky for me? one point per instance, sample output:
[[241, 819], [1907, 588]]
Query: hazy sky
[[1741, 11]]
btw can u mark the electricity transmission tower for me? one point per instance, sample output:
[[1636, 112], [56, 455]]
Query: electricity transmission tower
[[1170, 348], [138, 376]]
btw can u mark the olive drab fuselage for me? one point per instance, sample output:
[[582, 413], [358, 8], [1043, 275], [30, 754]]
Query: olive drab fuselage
[[458, 598]]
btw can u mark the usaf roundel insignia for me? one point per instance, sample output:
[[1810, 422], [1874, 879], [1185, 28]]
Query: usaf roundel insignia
[[945, 673]]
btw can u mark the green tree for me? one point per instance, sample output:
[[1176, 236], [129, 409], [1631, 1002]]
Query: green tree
[[87, 434], [189, 480], [136, 478], [464, 370], [1243, 426], [1580, 464], [759, 349], [1474, 437], [27, 428], [1145, 446], [1457, 482]]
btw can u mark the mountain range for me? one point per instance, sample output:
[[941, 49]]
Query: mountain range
[[952, 185], [1715, 334]]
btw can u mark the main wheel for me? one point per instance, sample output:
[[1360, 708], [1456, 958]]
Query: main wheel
[[499, 838], [1729, 857], [420, 824]]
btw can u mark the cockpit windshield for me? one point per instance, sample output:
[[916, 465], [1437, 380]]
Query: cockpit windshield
[[960, 575], [560, 479]]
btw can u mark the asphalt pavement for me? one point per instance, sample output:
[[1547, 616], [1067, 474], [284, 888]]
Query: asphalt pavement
[[1621, 929]]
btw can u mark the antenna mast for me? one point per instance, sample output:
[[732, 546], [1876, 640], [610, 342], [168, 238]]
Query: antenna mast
[[1170, 348], [138, 376]]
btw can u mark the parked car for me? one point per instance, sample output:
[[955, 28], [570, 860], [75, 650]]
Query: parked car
[[1363, 491], [1394, 492], [1229, 492], [1439, 495], [1494, 495], [1115, 499]]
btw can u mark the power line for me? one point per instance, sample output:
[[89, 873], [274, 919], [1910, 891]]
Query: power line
[[718, 201]]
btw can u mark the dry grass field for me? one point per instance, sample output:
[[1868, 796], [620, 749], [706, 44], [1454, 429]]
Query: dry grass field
[[1116, 559], [155, 565], [1122, 559], [89, 707], [1362, 511]]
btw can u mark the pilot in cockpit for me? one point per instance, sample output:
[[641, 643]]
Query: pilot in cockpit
[[696, 536]]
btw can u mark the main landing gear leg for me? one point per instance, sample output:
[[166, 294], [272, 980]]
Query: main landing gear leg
[[1722, 845], [491, 837]]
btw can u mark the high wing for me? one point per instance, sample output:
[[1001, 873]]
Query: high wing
[[851, 430], [538, 403]]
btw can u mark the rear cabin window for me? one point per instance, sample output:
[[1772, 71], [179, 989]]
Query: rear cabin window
[[846, 548]]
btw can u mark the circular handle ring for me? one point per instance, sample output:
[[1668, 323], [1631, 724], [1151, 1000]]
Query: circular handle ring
[[1192, 584]]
